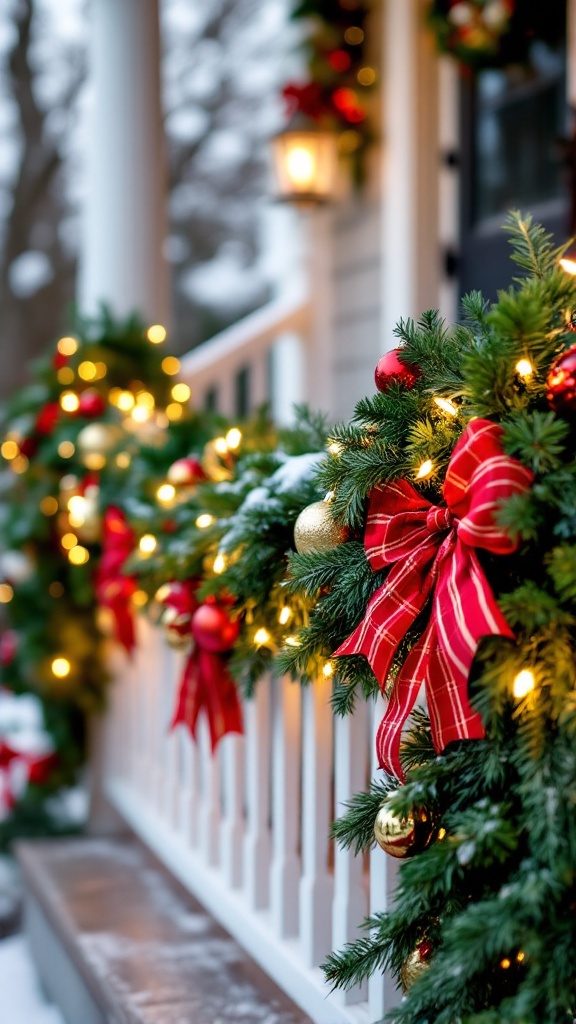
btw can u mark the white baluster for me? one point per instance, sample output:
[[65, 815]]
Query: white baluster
[[232, 825], [159, 712], [286, 751], [171, 666], [316, 885], [351, 763], [210, 813], [257, 840], [383, 993]]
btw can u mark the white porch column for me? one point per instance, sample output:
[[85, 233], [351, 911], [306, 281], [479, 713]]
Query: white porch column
[[125, 217], [411, 252]]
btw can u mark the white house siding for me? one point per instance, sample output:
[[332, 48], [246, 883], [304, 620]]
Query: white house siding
[[357, 274]]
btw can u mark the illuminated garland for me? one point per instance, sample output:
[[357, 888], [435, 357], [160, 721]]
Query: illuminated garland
[[103, 410], [494, 33], [335, 91]]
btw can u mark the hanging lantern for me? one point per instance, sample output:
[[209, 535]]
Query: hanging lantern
[[304, 160]]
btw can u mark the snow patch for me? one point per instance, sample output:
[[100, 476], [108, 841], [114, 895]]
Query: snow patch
[[22, 999]]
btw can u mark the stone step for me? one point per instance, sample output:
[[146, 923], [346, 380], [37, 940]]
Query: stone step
[[117, 940]]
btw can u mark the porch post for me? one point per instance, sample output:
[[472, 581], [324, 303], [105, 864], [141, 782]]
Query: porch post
[[410, 234], [125, 217]]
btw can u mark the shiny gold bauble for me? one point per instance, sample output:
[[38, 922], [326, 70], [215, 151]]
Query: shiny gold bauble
[[96, 441], [90, 530], [217, 465], [415, 964], [403, 837], [315, 529]]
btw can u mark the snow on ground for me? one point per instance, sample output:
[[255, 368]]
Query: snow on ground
[[21, 999]]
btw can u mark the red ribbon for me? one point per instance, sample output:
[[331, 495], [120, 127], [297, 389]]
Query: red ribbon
[[431, 552], [17, 770], [113, 589], [208, 686]]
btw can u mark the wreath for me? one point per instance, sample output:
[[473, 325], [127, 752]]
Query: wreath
[[495, 33]]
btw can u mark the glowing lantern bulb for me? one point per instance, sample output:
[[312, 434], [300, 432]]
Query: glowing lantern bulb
[[300, 165]]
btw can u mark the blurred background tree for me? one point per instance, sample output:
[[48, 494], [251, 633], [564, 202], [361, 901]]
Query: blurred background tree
[[223, 69]]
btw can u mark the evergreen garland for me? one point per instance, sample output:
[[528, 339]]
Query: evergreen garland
[[52, 644], [491, 898]]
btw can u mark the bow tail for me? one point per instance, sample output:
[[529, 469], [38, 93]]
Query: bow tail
[[451, 715], [123, 616], [208, 686], [465, 610], [392, 610], [402, 699]]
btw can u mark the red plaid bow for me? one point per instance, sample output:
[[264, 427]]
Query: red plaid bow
[[433, 551], [208, 686]]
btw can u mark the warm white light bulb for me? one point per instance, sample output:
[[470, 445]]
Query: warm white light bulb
[[523, 683], [425, 470], [147, 544], [524, 368], [261, 636], [220, 564], [446, 406]]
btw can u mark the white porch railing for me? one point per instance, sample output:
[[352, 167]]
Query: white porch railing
[[262, 358], [246, 830]]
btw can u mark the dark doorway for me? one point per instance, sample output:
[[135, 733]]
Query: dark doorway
[[513, 121]]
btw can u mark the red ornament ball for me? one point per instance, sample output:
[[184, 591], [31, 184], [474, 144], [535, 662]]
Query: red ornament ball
[[186, 472], [28, 447], [561, 384], [393, 370], [213, 629], [8, 647], [59, 360], [47, 418], [92, 403]]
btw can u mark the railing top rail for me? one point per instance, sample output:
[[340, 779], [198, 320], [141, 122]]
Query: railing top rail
[[289, 312]]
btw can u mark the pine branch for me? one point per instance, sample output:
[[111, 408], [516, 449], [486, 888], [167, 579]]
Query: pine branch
[[355, 829]]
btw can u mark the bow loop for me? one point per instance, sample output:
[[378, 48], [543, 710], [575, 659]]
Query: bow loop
[[431, 553]]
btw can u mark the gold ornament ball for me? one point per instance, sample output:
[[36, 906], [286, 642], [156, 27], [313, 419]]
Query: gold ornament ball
[[315, 529], [96, 441], [89, 531], [403, 837], [415, 964], [217, 465]]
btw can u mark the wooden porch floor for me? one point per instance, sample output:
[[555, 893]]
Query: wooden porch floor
[[116, 939]]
